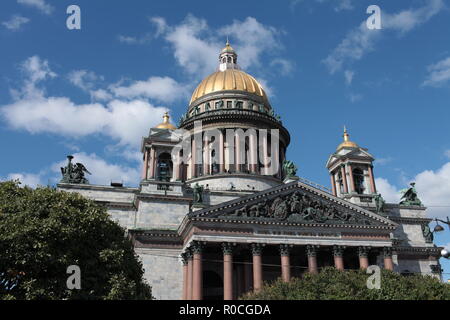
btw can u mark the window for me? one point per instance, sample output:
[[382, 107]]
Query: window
[[229, 104], [164, 167], [239, 104], [358, 179], [207, 106]]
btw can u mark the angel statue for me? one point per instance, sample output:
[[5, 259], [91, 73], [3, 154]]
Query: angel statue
[[409, 197], [74, 173], [289, 169], [198, 193]]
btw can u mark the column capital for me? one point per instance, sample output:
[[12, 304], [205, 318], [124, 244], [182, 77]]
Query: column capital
[[285, 249], [387, 252], [197, 247], [338, 251], [184, 258], [228, 248], [311, 250], [257, 248], [363, 251]]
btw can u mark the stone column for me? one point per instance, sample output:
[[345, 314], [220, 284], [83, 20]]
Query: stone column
[[338, 252], [311, 251], [363, 253], [285, 262], [145, 168], [190, 275], [350, 174], [257, 266], [372, 180], [152, 163], [227, 270], [344, 179], [333, 185], [237, 153], [193, 158], [253, 146], [387, 254], [265, 159], [197, 283], [184, 259], [221, 153], [206, 157]]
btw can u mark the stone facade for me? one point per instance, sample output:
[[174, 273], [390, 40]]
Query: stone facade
[[215, 219]]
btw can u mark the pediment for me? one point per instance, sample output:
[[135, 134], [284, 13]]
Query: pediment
[[294, 203], [163, 134]]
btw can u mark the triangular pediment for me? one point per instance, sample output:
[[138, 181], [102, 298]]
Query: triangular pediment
[[353, 154], [294, 203]]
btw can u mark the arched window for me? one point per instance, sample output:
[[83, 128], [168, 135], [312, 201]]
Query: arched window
[[358, 179], [229, 59], [164, 167]]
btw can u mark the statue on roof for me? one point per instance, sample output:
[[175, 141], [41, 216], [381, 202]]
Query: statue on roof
[[198, 193], [379, 202], [74, 173], [409, 197], [289, 169]]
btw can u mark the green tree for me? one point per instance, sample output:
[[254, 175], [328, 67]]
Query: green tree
[[332, 284], [43, 231]]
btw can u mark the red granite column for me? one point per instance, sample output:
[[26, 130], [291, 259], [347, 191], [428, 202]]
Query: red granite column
[[190, 275], [285, 262], [152, 163], [227, 270], [193, 159], [333, 185], [185, 275], [145, 168], [197, 285], [311, 251], [253, 146], [363, 253], [372, 180], [350, 174], [257, 266], [344, 179], [338, 252], [388, 263]]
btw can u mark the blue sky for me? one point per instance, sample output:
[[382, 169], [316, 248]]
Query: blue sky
[[95, 92]]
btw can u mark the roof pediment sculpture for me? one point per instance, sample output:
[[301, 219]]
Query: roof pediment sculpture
[[409, 197], [74, 173], [298, 205]]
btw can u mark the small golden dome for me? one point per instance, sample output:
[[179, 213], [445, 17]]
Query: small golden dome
[[229, 79], [166, 124], [347, 143], [228, 48]]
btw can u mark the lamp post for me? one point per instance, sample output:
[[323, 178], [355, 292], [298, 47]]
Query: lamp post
[[438, 228]]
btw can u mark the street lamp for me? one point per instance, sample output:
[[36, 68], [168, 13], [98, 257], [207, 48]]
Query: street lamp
[[438, 227]]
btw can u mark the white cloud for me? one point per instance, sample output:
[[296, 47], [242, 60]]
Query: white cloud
[[83, 79], [355, 97], [388, 191], [196, 46], [433, 188], [383, 161], [163, 89], [348, 74], [126, 121], [147, 38], [15, 22], [27, 179], [33, 111], [361, 40], [39, 4], [439, 73], [447, 153], [284, 66], [102, 172], [344, 5]]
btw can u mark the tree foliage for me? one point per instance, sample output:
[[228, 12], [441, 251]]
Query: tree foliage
[[43, 231], [332, 284]]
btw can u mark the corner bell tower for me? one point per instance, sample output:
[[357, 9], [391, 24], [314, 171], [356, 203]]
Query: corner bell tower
[[351, 172]]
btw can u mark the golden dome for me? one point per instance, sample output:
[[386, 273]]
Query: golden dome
[[347, 143], [227, 48], [229, 79], [166, 124]]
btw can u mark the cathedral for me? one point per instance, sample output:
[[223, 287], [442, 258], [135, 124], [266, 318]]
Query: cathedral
[[220, 210]]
